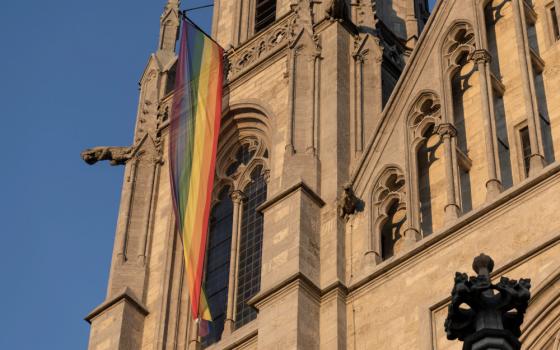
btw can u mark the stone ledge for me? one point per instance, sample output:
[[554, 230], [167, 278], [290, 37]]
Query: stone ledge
[[300, 186], [237, 338], [127, 296], [507, 197], [298, 279]]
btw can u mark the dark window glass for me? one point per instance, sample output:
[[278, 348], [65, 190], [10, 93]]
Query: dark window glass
[[265, 14], [388, 83], [170, 85], [217, 265], [526, 148], [250, 248], [555, 26]]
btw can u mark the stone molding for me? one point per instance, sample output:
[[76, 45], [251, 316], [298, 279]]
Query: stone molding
[[481, 56], [299, 280], [238, 338], [126, 296], [505, 198], [446, 129], [300, 186], [296, 280], [259, 48], [533, 332]]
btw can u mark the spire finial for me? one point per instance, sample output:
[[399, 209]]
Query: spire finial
[[173, 3], [169, 26]]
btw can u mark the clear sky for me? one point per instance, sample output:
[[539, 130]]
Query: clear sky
[[69, 81]]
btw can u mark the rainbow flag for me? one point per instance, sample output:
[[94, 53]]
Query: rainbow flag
[[194, 128]]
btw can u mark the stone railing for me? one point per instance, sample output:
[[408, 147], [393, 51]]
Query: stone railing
[[259, 48]]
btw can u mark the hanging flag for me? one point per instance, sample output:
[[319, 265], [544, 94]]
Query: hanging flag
[[194, 128]]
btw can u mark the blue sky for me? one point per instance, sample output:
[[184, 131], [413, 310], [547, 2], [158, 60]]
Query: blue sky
[[69, 81]]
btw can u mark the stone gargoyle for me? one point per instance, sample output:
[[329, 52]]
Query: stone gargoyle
[[115, 155], [349, 204], [336, 9]]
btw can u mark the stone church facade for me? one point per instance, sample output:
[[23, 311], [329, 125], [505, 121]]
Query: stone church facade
[[369, 149]]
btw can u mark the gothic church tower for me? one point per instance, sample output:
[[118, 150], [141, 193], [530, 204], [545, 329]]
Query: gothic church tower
[[362, 159]]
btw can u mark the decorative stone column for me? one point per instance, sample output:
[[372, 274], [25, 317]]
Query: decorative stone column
[[237, 198], [533, 122], [447, 131], [482, 59], [493, 314]]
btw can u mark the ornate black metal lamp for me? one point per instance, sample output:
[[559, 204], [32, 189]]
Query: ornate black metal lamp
[[487, 316]]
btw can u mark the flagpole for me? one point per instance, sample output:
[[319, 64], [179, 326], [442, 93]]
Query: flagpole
[[184, 16], [199, 7]]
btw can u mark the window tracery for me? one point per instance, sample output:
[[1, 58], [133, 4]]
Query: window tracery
[[389, 211], [463, 83], [459, 40], [426, 130], [218, 263], [235, 238], [250, 247]]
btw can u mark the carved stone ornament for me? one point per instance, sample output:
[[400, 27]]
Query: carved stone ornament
[[485, 315], [115, 155], [349, 203], [481, 56], [257, 50], [445, 129]]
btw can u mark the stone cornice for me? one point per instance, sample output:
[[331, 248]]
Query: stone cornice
[[300, 186], [542, 310], [126, 296], [298, 280], [420, 249], [238, 338]]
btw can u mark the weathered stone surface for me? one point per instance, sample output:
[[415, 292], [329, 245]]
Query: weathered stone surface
[[437, 155]]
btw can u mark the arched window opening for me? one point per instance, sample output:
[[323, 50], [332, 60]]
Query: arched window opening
[[429, 169], [218, 263], [389, 211], [170, 82], [460, 85], [242, 165], [538, 65], [467, 115], [544, 116], [392, 230], [428, 176], [250, 247], [389, 78], [494, 13]]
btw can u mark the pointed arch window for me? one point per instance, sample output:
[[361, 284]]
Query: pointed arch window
[[218, 263], [250, 247], [389, 212], [233, 261]]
